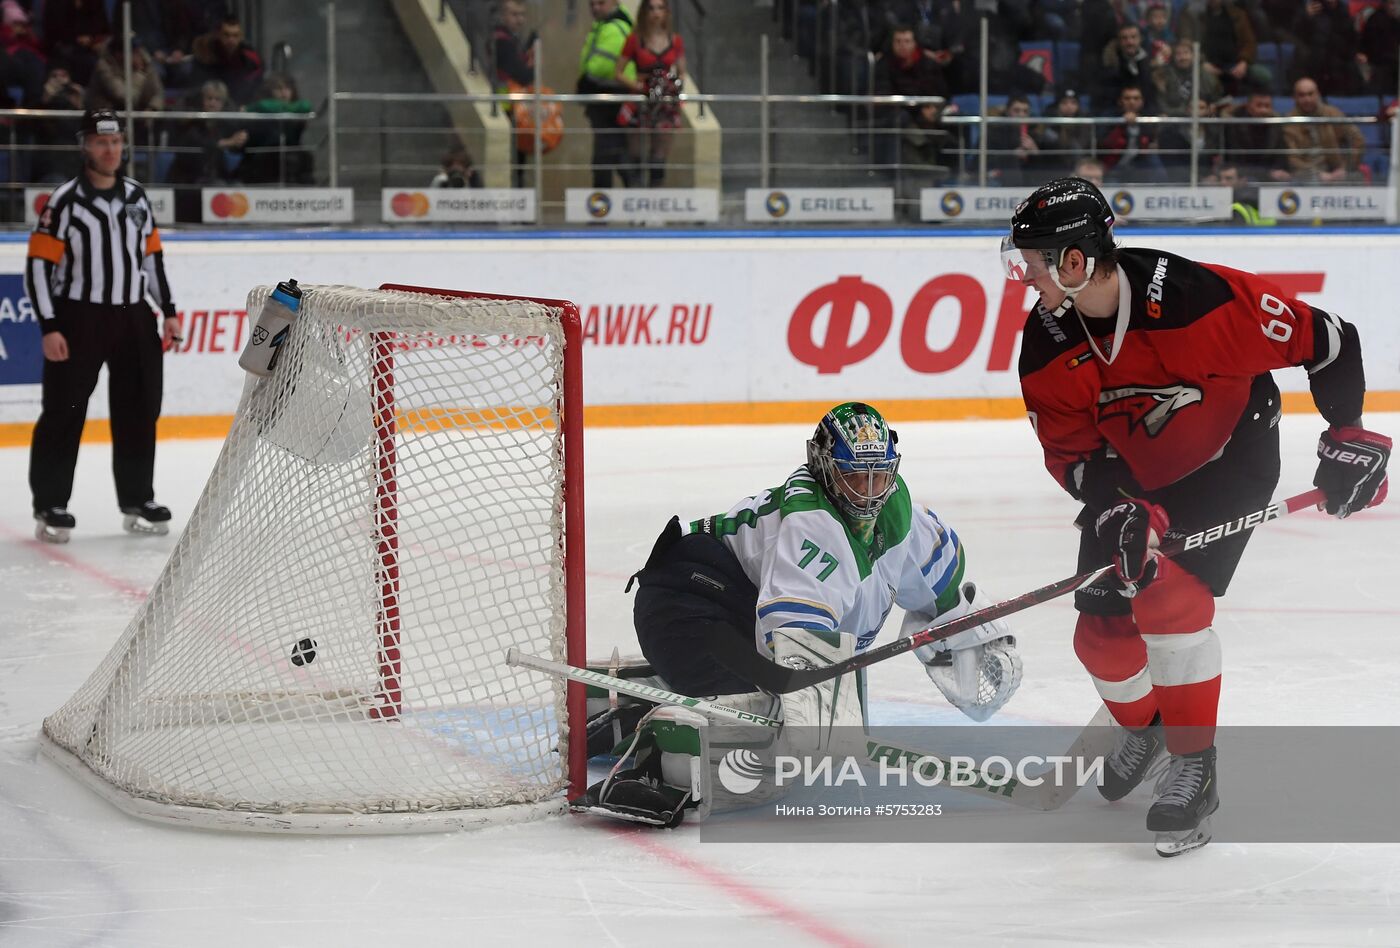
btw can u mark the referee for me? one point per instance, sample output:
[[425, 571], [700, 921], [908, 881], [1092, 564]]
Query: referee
[[94, 263]]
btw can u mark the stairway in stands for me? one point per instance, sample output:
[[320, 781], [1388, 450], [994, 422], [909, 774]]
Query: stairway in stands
[[811, 145], [374, 55]]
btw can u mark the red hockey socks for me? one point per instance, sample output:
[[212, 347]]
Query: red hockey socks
[[1114, 655], [1173, 615]]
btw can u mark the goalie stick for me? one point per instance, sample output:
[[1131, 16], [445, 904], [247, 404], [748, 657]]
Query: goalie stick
[[778, 679], [1094, 741]]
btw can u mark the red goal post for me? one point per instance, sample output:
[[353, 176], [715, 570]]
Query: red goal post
[[571, 411]]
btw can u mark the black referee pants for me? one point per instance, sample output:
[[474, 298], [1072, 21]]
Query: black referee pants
[[127, 340]]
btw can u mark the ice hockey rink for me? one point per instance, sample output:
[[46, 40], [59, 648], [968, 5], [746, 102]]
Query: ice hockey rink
[[1308, 632]]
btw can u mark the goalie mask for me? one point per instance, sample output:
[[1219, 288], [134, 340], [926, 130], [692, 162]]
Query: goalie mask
[[853, 456]]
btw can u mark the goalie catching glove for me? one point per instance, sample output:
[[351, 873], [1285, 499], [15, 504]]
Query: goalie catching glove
[[977, 670]]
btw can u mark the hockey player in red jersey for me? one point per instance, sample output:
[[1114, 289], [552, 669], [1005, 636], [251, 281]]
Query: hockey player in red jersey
[[1146, 377]]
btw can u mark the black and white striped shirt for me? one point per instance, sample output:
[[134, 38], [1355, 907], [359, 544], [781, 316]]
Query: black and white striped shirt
[[96, 247]]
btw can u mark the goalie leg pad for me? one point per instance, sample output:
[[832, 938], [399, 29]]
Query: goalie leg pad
[[669, 776], [609, 730], [612, 718], [810, 716]]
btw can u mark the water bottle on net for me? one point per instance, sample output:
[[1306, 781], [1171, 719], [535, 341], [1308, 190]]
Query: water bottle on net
[[270, 331]]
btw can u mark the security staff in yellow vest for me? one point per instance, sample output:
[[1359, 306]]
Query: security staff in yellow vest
[[612, 24]]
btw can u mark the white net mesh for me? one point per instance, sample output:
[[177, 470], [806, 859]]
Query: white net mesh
[[384, 521]]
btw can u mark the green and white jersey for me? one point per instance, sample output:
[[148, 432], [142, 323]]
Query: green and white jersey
[[813, 572]]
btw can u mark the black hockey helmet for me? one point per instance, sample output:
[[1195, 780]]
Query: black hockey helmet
[[99, 122], [1067, 212]]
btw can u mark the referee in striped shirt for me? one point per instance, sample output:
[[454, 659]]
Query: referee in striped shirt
[[93, 274]]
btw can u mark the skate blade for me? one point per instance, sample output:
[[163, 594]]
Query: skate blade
[[140, 526], [1184, 841], [47, 534]]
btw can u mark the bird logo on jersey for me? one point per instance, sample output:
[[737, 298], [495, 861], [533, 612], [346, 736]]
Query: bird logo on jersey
[[1150, 408]]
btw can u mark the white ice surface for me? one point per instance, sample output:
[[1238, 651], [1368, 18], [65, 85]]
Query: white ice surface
[[1309, 637]]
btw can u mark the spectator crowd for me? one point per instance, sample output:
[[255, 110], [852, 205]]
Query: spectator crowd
[[1115, 83], [1121, 62], [186, 55]]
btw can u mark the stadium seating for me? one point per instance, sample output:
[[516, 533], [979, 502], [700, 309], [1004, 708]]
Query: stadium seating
[[1277, 58]]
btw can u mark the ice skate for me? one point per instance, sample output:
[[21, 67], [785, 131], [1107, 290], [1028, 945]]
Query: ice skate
[[53, 524], [1134, 755], [1181, 815], [149, 519], [1174, 844]]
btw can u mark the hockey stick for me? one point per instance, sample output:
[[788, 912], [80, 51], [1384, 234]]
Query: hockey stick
[[779, 679], [1094, 742]]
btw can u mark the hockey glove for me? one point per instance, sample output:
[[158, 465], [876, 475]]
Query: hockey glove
[[1101, 480], [977, 670], [1130, 532], [1351, 469]]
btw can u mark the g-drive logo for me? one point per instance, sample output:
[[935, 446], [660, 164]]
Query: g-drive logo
[[742, 771]]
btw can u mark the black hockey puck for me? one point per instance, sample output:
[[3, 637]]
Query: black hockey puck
[[304, 652]]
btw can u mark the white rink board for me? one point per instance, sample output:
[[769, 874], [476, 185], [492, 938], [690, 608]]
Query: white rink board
[[683, 321]]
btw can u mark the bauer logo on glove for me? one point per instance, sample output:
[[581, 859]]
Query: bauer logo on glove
[[1131, 532], [1351, 469]]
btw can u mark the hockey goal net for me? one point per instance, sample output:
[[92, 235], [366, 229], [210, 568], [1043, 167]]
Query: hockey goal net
[[399, 503]]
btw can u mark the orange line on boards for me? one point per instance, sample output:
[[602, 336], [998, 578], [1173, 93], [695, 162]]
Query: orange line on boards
[[16, 434], [98, 431]]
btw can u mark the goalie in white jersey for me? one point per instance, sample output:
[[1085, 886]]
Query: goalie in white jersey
[[804, 574]]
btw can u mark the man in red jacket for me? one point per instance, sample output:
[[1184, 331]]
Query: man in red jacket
[[1146, 377]]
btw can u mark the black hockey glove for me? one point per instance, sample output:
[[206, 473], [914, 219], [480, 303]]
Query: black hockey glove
[[1101, 480], [1351, 469], [1130, 532]]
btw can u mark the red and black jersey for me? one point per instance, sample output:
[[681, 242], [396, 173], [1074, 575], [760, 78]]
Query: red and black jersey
[[1192, 369]]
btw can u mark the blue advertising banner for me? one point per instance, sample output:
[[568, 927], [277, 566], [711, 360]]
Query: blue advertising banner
[[21, 353]]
